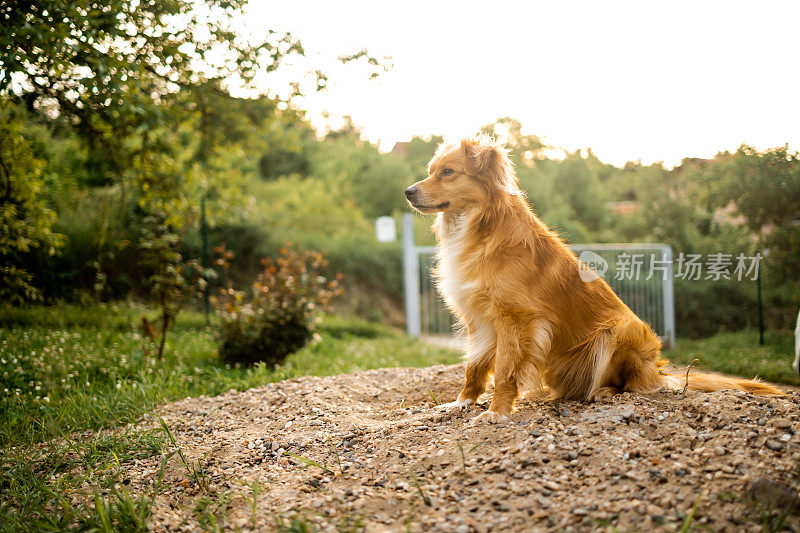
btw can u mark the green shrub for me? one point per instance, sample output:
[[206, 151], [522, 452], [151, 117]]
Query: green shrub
[[705, 308], [280, 318]]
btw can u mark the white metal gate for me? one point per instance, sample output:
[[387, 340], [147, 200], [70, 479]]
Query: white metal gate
[[640, 274]]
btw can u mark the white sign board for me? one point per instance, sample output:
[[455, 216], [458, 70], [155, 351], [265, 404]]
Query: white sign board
[[385, 229]]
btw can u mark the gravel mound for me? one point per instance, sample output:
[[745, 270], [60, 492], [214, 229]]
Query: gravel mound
[[371, 451]]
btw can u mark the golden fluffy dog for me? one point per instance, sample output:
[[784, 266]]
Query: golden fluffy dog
[[514, 285]]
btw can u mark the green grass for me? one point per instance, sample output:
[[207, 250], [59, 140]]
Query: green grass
[[60, 375], [740, 354], [68, 369]]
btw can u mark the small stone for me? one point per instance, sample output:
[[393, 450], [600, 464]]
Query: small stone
[[463, 528], [781, 423], [771, 494], [774, 445], [719, 450]]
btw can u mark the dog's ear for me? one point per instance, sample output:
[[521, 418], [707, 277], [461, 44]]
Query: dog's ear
[[478, 157]]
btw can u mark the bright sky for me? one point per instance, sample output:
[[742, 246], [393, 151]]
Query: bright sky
[[656, 81]]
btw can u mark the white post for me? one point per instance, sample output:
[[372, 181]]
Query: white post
[[669, 302], [411, 277]]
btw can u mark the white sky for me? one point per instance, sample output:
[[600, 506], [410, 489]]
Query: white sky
[[656, 81]]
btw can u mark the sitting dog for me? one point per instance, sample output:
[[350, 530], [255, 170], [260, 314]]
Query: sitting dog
[[513, 284]]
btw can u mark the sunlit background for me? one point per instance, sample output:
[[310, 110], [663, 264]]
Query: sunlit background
[[631, 80], [183, 215]]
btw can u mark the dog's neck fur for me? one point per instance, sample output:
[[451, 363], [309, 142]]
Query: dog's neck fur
[[477, 222]]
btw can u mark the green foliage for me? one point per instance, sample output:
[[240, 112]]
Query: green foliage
[[734, 307], [88, 363], [764, 189], [133, 97], [39, 483], [582, 191], [509, 131], [173, 280], [418, 152], [26, 223], [279, 318], [358, 171], [65, 369], [110, 68], [764, 186]]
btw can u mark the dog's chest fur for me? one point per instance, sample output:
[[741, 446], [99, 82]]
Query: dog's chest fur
[[454, 282]]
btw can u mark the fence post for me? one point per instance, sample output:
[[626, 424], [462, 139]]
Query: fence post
[[669, 302], [204, 235], [411, 277]]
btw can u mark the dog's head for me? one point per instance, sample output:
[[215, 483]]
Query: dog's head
[[464, 176]]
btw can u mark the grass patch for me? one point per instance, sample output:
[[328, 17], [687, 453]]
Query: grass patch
[[740, 354], [67, 369]]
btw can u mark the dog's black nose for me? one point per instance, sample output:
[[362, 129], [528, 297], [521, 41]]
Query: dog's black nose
[[411, 192]]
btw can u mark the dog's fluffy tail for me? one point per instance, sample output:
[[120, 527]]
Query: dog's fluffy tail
[[702, 381]]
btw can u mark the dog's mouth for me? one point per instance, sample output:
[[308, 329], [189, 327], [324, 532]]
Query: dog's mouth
[[439, 207]]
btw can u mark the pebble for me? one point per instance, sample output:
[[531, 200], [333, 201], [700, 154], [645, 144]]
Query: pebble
[[781, 423], [646, 469], [774, 445]]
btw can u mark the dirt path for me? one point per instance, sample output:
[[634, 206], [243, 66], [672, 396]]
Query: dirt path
[[637, 462]]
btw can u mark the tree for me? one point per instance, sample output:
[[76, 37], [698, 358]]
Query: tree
[[764, 188], [525, 148], [110, 66], [25, 222], [145, 86], [581, 188], [418, 152]]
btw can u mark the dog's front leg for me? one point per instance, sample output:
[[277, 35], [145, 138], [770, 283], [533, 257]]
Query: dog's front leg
[[507, 358], [480, 362], [475, 377]]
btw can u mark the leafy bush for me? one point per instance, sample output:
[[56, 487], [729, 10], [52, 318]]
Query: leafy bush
[[703, 309], [26, 223], [287, 297]]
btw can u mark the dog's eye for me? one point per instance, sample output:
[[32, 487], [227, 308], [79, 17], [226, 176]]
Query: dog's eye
[[447, 172]]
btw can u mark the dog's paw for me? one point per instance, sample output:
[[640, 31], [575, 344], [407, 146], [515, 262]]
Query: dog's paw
[[458, 404], [492, 417], [603, 393]]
